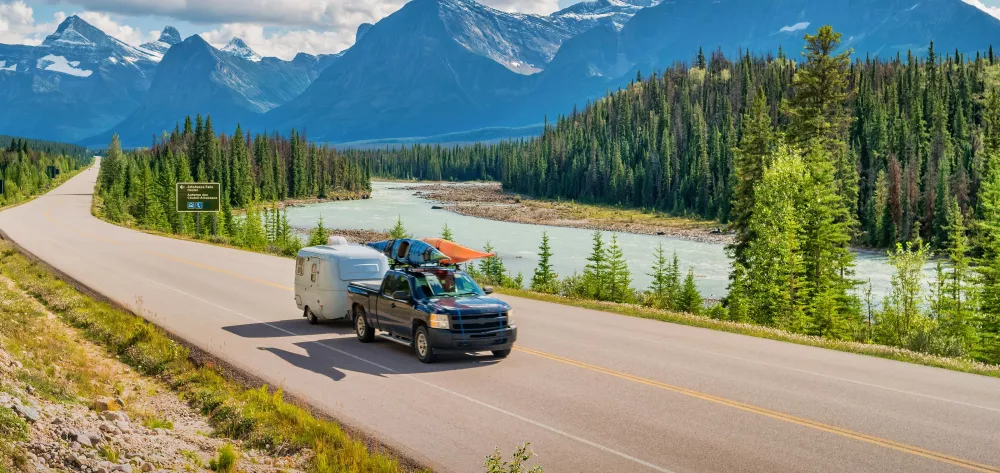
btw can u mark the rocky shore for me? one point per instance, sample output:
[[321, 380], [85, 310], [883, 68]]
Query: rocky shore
[[488, 200]]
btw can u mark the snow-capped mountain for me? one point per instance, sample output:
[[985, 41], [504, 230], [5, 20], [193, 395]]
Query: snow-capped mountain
[[169, 37], [584, 15], [238, 48], [77, 82], [232, 84]]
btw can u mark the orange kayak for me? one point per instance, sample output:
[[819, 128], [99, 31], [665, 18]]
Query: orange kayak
[[456, 253]]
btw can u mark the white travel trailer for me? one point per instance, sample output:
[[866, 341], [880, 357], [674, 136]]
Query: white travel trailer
[[322, 274]]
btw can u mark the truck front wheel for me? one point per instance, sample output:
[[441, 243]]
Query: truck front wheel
[[422, 346], [364, 330], [501, 353]]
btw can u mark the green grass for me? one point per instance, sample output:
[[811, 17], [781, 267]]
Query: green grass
[[225, 462], [260, 418], [108, 452], [881, 351]]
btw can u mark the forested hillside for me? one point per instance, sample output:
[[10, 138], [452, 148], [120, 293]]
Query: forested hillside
[[916, 138], [138, 187], [24, 166]]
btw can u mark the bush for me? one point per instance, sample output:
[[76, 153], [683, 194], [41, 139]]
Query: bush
[[495, 464], [12, 427], [226, 461]]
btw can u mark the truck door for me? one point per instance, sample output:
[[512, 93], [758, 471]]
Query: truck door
[[395, 304]]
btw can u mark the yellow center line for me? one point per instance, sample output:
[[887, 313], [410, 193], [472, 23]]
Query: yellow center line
[[902, 447]]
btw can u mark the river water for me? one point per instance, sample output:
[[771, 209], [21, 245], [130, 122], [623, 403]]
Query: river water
[[518, 243]]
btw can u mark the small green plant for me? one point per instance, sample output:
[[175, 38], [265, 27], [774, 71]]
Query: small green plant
[[193, 459], [226, 461], [12, 427], [496, 464], [108, 453], [157, 423]]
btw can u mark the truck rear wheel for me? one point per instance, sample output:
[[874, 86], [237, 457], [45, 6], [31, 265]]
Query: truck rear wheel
[[422, 346], [364, 330]]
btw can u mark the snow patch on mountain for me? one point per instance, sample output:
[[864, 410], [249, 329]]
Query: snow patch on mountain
[[5, 67], [238, 48], [793, 28], [55, 63]]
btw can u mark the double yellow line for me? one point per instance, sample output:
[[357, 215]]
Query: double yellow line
[[902, 447]]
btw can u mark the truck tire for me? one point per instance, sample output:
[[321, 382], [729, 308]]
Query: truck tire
[[501, 353], [310, 316], [422, 346], [364, 330]]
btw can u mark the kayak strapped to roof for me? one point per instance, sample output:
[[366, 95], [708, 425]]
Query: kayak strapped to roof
[[409, 251], [456, 253]]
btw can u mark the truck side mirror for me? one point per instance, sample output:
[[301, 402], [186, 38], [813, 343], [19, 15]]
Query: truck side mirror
[[488, 290], [401, 295]]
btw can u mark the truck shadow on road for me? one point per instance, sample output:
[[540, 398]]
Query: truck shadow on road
[[334, 357]]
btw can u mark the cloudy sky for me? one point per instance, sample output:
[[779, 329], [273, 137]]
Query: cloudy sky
[[271, 27]]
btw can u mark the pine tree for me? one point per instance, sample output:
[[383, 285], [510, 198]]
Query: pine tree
[[660, 288], [957, 316], [595, 273], [241, 172], [319, 235], [398, 232], [751, 160], [544, 279], [988, 265], [619, 280], [446, 233], [690, 299]]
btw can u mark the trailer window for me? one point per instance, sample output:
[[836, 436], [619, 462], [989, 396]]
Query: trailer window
[[315, 271], [299, 263]]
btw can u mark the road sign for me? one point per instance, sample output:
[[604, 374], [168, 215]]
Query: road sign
[[52, 172], [3, 190], [198, 196]]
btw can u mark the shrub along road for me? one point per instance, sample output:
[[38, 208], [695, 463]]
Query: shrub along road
[[591, 391]]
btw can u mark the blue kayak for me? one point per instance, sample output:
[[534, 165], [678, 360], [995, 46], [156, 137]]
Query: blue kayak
[[409, 251]]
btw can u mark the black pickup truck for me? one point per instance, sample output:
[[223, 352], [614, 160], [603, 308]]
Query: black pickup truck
[[434, 310]]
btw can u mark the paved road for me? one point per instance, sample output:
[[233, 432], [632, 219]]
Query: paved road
[[592, 392]]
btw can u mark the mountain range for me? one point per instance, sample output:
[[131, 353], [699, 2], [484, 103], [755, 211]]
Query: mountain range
[[433, 68]]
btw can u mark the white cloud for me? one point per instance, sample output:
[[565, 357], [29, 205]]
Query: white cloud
[[105, 23], [796, 27], [17, 24], [283, 44], [992, 10]]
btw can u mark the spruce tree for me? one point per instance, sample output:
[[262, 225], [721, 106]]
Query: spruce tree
[[241, 172], [988, 264], [595, 273], [398, 232], [619, 280], [544, 279], [319, 235], [690, 299], [446, 233], [660, 288]]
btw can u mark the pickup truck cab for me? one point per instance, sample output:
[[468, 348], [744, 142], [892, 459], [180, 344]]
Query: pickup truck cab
[[433, 310]]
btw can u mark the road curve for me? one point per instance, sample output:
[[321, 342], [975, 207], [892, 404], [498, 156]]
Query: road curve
[[591, 391]]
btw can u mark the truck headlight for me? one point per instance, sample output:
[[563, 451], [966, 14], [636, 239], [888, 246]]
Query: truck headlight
[[510, 316], [439, 321]]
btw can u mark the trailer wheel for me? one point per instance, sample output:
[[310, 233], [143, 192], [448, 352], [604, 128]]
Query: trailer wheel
[[310, 316], [364, 330]]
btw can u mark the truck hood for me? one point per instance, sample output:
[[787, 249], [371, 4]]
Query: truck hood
[[467, 305]]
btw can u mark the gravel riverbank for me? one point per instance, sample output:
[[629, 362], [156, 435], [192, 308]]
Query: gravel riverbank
[[488, 200]]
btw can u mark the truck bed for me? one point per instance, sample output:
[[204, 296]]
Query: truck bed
[[368, 286]]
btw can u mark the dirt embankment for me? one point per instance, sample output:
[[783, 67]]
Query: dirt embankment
[[488, 200]]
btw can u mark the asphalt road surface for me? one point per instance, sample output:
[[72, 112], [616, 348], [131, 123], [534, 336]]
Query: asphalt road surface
[[591, 391]]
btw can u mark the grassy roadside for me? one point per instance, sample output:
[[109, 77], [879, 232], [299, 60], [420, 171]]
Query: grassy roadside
[[259, 418], [880, 351]]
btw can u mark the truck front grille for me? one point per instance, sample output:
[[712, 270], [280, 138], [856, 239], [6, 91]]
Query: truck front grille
[[482, 325]]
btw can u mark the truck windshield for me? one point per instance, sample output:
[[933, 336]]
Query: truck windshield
[[447, 284]]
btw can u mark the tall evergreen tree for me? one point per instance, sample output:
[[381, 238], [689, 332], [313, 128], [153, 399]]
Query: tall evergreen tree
[[544, 279]]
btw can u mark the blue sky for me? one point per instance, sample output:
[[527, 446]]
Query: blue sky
[[272, 27]]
